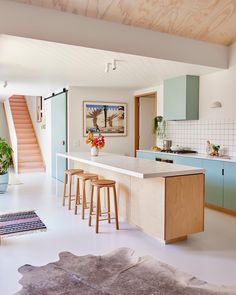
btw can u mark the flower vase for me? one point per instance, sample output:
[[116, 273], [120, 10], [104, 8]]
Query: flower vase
[[94, 151]]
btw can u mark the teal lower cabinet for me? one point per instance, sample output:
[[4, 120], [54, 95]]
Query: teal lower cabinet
[[146, 155], [188, 161], [220, 177], [214, 182], [229, 186]]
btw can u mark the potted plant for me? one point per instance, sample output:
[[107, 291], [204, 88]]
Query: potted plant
[[96, 143], [159, 127], [5, 163]]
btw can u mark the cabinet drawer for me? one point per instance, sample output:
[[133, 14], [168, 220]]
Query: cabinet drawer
[[188, 161], [164, 157], [146, 155]]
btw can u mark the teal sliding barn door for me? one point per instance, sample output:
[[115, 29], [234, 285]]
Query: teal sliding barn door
[[59, 134]]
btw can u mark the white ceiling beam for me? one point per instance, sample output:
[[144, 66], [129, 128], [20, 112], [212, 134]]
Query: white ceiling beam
[[51, 25]]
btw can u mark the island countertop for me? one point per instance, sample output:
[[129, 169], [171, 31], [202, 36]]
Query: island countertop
[[131, 166]]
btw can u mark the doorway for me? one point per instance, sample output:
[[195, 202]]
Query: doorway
[[145, 110], [59, 133]]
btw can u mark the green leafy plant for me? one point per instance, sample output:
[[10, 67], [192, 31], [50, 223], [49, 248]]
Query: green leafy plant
[[159, 126], [216, 148], [5, 156]]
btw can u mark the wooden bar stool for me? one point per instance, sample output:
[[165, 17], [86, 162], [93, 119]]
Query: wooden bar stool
[[68, 175], [107, 184], [84, 177]]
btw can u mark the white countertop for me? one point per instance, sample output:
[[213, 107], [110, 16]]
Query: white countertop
[[194, 155], [140, 168]]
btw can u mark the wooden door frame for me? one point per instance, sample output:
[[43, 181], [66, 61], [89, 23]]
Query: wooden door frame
[[136, 117]]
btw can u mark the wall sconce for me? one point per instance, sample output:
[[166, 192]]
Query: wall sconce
[[215, 104], [4, 84]]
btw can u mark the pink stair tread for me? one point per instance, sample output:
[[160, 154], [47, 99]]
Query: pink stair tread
[[29, 154]]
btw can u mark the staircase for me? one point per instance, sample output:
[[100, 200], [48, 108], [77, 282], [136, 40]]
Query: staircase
[[29, 154]]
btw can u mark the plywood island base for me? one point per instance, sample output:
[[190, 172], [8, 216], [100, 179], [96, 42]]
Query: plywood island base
[[167, 208]]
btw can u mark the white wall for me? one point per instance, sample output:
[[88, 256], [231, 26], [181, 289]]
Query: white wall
[[217, 125], [219, 86], [3, 123], [159, 90], [76, 96], [43, 135]]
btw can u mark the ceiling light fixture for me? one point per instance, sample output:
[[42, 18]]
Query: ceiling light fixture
[[111, 65], [107, 67]]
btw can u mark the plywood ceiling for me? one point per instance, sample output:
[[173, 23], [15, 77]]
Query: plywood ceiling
[[207, 20]]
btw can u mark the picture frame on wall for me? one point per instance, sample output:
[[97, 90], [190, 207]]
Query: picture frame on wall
[[109, 118], [39, 109]]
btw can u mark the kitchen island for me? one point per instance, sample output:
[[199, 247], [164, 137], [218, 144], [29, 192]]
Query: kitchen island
[[164, 200]]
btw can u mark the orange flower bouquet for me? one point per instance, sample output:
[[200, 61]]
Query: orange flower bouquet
[[96, 143]]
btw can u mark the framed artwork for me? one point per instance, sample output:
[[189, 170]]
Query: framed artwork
[[39, 108], [109, 118]]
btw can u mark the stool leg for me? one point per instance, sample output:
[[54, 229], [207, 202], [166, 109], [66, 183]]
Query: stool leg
[[108, 205], [116, 208], [91, 206], [98, 210], [64, 193], [78, 191], [83, 198], [77, 196], [70, 186]]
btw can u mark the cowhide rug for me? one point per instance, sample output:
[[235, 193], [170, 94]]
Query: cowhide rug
[[118, 273]]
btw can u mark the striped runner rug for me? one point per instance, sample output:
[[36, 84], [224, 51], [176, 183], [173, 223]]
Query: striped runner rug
[[19, 223]]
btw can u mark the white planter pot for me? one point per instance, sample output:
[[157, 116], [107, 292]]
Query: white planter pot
[[94, 151], [4, 183]]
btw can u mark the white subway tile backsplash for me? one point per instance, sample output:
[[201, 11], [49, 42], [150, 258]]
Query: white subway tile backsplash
[[194, 134]]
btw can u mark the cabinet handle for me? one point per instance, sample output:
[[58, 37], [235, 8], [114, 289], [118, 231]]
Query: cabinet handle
[[223, 171]]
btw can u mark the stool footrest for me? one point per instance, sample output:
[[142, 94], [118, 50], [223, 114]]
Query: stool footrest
[[68, 196], [103, 219], [72, 199], [101, 213]]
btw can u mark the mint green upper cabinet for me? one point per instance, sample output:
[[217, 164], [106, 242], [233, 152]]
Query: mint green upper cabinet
[[230, 185], [181, 98]]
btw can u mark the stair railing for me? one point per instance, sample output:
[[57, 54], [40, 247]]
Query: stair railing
[[12, 132]]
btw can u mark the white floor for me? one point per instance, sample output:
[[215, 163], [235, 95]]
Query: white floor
[[210, 256]]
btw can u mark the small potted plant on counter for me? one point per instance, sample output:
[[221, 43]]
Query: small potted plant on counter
[[96, 143], [5, 163]]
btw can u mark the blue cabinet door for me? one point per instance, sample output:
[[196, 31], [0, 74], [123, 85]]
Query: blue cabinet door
[[188, 161], [214, 182], [229, 186], [59, 134]]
